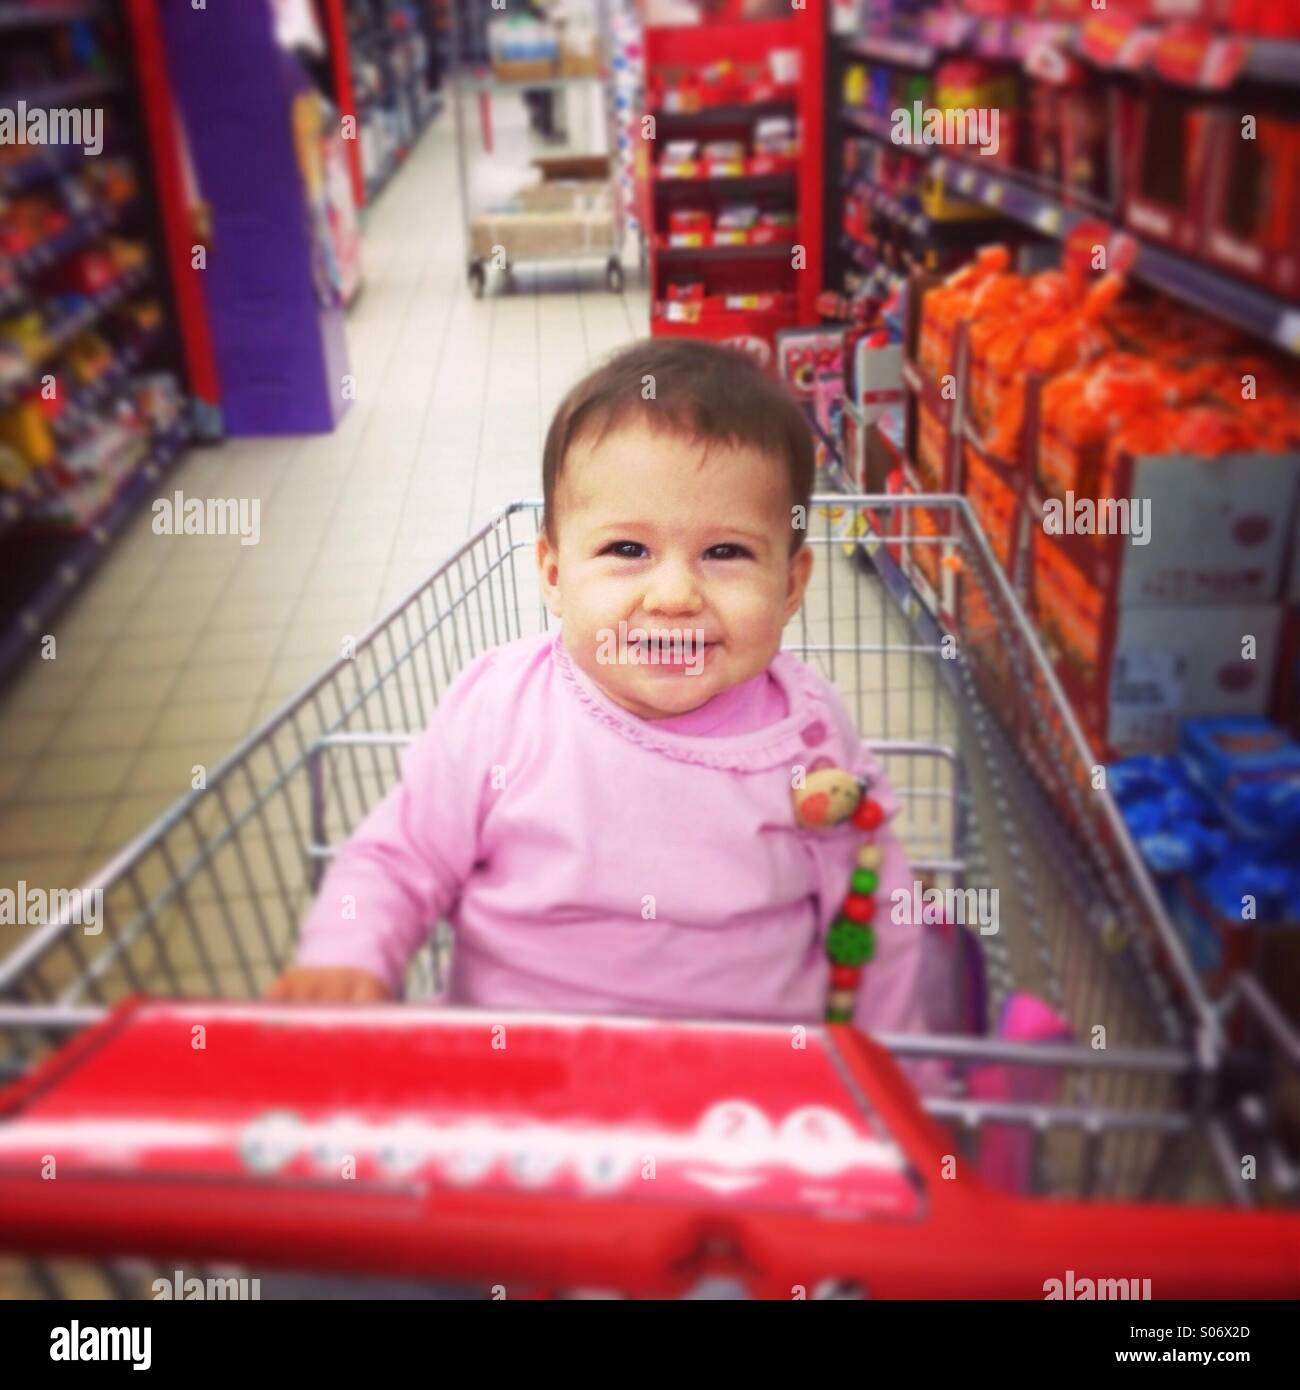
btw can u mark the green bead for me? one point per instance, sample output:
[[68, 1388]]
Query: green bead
[[864, 881], [850, 943], [839, 1016]]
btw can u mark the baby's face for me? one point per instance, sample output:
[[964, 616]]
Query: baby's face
[[689, 544]]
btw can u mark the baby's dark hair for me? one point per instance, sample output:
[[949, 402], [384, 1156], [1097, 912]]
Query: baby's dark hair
[[706, 392]]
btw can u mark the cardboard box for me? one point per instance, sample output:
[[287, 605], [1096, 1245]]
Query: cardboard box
[[526, 235], [1134, 672], [523, 69], [1217, 530], [588, 167]]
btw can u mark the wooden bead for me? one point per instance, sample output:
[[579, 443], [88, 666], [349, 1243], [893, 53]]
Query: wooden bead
[[840, 1001], [869, 856]]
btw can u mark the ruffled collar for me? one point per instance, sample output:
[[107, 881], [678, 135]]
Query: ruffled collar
[[806, 732]]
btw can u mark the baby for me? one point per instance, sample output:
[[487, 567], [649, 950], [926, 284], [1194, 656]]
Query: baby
[[604, 812]]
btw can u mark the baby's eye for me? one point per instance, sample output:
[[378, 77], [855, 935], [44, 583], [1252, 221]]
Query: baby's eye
[[727, 552], [626, 550]]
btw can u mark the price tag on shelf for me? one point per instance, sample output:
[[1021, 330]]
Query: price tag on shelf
[[734, 237], [966, 180], [686, 239], [1288, 331], [1048, 219]]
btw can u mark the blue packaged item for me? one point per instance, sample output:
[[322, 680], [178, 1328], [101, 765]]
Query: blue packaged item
[[1145, 775], [1252, 769]]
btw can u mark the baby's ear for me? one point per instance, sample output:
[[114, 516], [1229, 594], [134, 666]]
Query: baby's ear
[[801, 566], [548, 567]]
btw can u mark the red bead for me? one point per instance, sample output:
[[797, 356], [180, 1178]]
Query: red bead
[[868, 815], [858, 908], [845, 976]]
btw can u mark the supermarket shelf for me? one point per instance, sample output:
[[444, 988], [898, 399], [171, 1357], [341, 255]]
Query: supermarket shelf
[[1233, 57], [19, 14], [80, 555], [67, 328], [1195, 283], [50, 163], [16, 503], [742, 251], [1235, 301], [727, 115], [874, 124], [85, 229], [72, 92], [898, 49], [738, 184], [376, 185]]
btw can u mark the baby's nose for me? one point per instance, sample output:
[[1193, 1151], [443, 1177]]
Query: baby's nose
[[672, 589]]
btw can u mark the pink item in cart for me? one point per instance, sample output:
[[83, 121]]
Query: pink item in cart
[[1006, 1150]]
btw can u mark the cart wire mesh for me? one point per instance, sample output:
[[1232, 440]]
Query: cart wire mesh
[[910, 616]]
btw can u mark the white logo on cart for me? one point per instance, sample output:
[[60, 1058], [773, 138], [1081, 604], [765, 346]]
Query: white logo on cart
[[966, 907], [955, 125], [36, 907], [21, 124], [77, 1343], [1102, 516], [179, 515]]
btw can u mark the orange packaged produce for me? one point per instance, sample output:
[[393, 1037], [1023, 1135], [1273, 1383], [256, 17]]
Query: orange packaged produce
[[948, 304], [1081, 409]]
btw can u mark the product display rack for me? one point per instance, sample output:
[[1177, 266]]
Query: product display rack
[[386, 62], [57, 523], [1116, 48], [748, 282]]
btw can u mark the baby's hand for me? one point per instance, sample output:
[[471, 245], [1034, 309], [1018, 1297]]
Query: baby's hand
[[309, 984]]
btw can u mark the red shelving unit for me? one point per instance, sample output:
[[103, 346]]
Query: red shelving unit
[[715, 81]]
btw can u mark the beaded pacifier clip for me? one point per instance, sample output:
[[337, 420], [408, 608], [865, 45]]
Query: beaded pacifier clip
[[829, 797]]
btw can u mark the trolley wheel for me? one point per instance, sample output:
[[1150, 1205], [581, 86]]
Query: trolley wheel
[[614, 276], [477, 279]]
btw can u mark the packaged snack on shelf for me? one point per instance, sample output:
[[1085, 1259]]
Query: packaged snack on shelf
[[1134, 672], [1251, 768], [997, 502], [1252, 197], [25, 429], [949, 304]]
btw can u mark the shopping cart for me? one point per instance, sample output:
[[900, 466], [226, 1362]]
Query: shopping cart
[[1159, 1094], [560, 223]]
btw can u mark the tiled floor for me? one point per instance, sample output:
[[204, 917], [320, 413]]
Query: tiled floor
[[182, 645]]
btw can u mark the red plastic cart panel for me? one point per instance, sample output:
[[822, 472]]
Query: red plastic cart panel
[[751, 1117]]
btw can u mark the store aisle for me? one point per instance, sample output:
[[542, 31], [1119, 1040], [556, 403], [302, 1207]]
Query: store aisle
[[181, 646]]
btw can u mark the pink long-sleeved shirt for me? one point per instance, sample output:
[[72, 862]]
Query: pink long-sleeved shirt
[[590, 861]]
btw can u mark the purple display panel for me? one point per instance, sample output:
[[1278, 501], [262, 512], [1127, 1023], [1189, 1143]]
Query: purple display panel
[[280, 341]]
